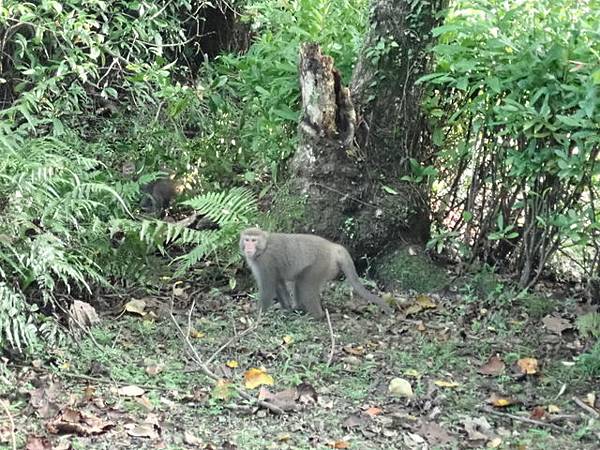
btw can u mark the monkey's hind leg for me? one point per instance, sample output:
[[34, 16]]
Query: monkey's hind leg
[[284, 297], [307, 291]]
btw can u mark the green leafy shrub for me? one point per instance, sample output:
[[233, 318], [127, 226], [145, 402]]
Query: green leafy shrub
[[588, 325], [514, 102]]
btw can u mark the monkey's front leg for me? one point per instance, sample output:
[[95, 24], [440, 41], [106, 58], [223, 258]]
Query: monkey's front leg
[[266, 291]]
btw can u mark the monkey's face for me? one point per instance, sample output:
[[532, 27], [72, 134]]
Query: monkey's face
[[252, 245]]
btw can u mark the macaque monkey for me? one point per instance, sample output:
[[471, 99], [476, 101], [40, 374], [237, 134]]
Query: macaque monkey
[[306, 260], [157, 195]]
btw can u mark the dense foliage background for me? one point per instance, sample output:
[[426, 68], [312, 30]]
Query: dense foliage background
[[89, 86]]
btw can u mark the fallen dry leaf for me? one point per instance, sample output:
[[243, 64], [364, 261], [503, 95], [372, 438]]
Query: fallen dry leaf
[[257, 377], [78, 422], [494, 366], [285, 400], [425, 302], [373, 411], [135, 306], [82, 314], [413, 373], [400, 388], [37, 443], [553, 409], [232, 364], [195, 334], [478, 429], [528, 366], [356, 351], [494, 443], [446, 384], [288, 340], [556, 324], [537, 413], [154, 369], [131, 391], [307, 394], [338, 444], [590, 399], [501, 401], [434, 434], [145, 429]]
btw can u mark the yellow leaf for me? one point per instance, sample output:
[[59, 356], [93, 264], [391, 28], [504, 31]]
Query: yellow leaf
[[412, 373], [287, 340], [400, 388], [528, 366], [425, 302], [135, 306], [232, 364], [196, 334], [221, 389], [257, 377], [553, 409], [413, 309], [446, 384]]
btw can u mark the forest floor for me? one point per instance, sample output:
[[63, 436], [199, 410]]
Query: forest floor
[[446, 371]]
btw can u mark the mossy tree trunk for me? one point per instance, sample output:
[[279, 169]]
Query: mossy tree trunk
[[356, 143]]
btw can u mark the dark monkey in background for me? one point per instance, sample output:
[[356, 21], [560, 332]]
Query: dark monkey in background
[[306, 260]]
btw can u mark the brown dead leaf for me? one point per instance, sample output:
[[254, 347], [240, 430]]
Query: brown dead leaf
[[78, 422], [501, 401], [356, 351], [478, 429], [413, 309], [257, 377], [338, 444], [356, 421], [154, 369], [37, 443], [135, 306], [144, 430], [537, 413], [373, 411], [131, 391], [494, 366], [285, 400], [556, 324], [434, 433], [307, 394], [528, 366], [425, 302]]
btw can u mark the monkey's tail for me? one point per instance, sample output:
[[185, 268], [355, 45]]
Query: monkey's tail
[[347, 266]]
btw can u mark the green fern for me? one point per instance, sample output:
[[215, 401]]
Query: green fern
[[16, 327]]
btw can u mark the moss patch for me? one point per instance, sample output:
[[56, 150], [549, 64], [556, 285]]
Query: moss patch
[[403, 271]]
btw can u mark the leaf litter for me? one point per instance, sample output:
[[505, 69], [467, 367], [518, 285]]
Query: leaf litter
[[439, 403]]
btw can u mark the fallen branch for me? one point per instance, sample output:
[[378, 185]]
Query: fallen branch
[[13, 438], [331, 336], [525, 420], [199, 361], [587, 408]]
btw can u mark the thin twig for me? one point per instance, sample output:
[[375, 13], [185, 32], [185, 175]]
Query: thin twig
[[110, 381], [198, 360], [525, 420], [587, 408], [331, 336], [236, 337], [13, 438]]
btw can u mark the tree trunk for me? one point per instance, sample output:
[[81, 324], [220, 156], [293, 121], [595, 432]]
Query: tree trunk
[[355, 144]]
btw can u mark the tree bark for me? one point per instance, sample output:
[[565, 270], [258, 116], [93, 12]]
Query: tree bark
[[356, 144]]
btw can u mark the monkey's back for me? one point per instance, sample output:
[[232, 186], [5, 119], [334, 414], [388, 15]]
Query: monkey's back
[[297, 252]]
